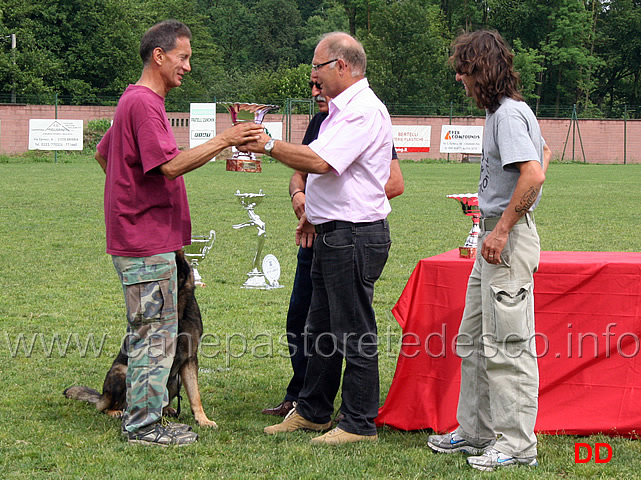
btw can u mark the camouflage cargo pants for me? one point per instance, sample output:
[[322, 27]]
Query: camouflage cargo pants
[[150, 289]]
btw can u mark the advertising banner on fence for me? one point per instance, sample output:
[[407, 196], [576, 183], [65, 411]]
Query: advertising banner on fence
[[274, 129], [202, 123], [55, 134], [461, 139], [411, 138]]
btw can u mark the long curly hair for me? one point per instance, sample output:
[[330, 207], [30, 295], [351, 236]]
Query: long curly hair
[[486, 57]]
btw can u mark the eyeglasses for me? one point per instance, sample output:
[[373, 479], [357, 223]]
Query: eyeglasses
[[317, 67], [314, 84]]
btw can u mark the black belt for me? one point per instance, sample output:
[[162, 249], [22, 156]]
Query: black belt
[[338, 224]]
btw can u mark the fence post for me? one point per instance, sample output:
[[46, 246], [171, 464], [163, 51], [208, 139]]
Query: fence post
[[13, 74], [288, 120], [289, 104], [451, 111], [574, 126], [55, 154], [574, 117], [625, 134]]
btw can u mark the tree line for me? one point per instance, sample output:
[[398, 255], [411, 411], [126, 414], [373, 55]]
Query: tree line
[[568, 52]]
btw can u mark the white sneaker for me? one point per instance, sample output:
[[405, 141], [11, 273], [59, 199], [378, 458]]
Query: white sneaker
[[493, 459], [454, 443]]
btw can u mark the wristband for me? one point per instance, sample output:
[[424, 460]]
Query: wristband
[[294, 194]]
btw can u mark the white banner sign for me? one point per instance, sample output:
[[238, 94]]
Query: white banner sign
[[274, 129], [202, 123], [55, 134], [411, 138], [461, 139]]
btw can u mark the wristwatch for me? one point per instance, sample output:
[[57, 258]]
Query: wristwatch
[[269, 146]]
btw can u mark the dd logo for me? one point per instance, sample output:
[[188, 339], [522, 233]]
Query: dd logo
[[597, 453]]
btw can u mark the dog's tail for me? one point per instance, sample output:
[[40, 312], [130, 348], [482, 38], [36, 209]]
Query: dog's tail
[[89, 395]]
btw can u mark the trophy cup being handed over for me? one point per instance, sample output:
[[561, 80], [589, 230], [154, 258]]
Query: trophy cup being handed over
[[470, 204], [246, 112]]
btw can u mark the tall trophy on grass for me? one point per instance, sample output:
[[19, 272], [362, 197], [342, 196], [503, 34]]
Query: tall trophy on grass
[[267, 278], [246, 112], [470, 205], [197, 251]]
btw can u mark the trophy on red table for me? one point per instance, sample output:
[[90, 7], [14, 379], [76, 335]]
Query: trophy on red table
[[246, 112], [470, 204]]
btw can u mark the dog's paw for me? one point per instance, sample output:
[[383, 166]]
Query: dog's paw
[[205, 422], [169, 412], [115, 413]]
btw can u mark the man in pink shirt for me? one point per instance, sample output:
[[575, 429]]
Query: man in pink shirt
[[147, 220], [346, 206]]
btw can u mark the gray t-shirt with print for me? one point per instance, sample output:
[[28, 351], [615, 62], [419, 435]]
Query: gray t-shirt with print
[[512, 134]]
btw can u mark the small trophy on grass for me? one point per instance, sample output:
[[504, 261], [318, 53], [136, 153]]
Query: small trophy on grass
[[267, 278], [470, 204], [197, 251]]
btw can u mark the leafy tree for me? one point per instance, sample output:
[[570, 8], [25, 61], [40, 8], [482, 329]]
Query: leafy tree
[[276, 31], [526, 21], [586, 52], [566, 52], [528, 62], [307, 8], [71, 47], [233, 85], [407, 54], [329, 17], [29, 67], [229, 27], [102, 41], [619, 79], [464, 15], [285, 82]]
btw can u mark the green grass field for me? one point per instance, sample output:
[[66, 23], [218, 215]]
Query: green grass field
[[60, 293]]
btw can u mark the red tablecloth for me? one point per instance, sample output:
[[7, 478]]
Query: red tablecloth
[[588, 324]]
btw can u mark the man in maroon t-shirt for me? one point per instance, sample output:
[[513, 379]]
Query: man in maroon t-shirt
[[147, 220]]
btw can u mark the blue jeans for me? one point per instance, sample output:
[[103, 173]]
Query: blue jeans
[[342, 325], [296, 317]]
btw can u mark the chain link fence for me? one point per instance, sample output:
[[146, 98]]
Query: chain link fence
[[300, 106]]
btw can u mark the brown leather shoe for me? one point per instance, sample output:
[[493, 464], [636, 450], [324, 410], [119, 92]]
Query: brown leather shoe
[[293, 421], [338, 436], [280, 410]]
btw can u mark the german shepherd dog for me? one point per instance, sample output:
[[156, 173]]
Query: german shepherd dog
[[113, 400]]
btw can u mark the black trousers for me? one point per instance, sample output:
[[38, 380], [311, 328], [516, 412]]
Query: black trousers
[[341, 325]]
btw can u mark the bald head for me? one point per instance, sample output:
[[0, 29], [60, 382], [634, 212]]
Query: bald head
[[344, 46]]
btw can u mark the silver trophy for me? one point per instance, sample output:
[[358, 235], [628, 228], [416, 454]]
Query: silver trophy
[[246, 112], [197, 251], [267, 278], [470, 204]]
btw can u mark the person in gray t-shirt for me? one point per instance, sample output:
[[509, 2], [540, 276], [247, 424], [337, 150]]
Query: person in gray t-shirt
[[498, 399]]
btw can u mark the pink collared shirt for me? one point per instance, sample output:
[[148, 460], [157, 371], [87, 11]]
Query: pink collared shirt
[[356, 141]]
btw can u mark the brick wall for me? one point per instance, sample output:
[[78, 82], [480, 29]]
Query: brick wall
[[14, 121], [603, 140]]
